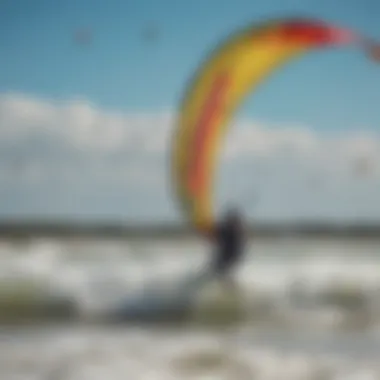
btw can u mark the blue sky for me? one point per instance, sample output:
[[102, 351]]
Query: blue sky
[[121, 71]]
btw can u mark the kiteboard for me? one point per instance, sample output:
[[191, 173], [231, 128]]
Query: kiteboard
[[198, 299], [159, 302]]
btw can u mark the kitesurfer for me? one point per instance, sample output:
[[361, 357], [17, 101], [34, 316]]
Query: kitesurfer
[[229, 240]]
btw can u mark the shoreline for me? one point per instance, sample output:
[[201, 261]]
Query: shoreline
[[74, 229]]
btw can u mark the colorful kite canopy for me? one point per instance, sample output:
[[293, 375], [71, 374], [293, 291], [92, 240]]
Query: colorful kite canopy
[[235, 69]]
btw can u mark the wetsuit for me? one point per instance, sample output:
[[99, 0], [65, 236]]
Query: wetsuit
[[230, 245]]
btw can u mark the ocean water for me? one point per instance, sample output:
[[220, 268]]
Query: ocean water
[[304, 309]]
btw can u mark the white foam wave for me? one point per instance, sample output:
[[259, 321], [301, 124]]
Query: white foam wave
[[308, 282]]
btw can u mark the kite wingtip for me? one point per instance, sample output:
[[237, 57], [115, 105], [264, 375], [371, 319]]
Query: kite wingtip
[[344, 36], [372, 50]]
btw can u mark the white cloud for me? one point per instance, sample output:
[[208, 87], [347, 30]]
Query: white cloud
[[65, 147], [249, 138]]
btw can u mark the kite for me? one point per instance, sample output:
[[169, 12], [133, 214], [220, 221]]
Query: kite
[[219, 86]]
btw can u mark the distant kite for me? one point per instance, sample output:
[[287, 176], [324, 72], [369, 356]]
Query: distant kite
[[237, 67], [83, 37], [362, 167], [150, 33]]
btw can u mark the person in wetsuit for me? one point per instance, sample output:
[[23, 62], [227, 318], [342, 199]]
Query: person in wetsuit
[[230, 243]]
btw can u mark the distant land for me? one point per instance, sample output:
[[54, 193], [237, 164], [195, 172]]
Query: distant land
[[80, 229]]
